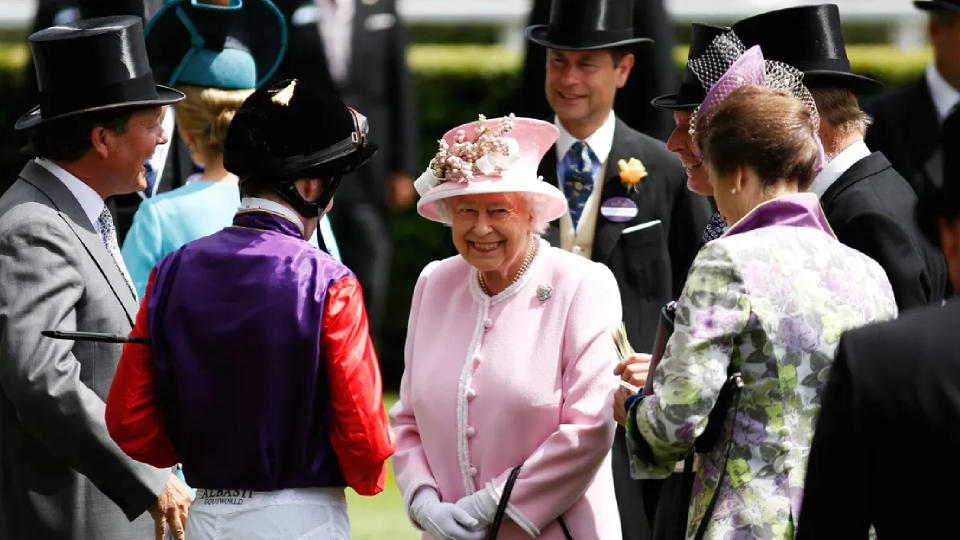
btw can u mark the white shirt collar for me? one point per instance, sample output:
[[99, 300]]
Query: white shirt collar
[[89, 199], [944, 96], [839, 165], [599, 141], [248, 203]]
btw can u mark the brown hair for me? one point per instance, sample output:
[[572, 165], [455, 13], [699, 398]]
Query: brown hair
[[68, 139], [840, 108], [206, 114], [764, 129]]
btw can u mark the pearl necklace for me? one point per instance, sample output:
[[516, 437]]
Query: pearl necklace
[[532, 249]]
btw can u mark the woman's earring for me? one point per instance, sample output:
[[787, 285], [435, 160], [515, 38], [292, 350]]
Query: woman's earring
[[733, 191]]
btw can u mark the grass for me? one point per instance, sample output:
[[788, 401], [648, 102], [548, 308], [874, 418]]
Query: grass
[[380, 516]]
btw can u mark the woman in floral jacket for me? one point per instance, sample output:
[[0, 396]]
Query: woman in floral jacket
[[771, 297]]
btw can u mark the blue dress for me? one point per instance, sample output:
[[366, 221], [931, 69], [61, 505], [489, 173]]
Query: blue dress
[[169, 220]]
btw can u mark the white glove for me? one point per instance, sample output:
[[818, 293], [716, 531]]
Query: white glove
[[444, 521], [481, 506]]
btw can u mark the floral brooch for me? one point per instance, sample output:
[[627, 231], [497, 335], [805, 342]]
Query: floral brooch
[[631, 172]]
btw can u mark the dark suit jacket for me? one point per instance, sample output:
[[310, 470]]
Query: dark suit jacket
[[650, 263], [905, 128], [378, 86], [61, 475], [654, 72], [887, 431], [872, 209]]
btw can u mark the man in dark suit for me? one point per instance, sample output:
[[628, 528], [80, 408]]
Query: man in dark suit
[[906, 121], [61, 476], [357, 50], [891, 410], [638, 218], [653, 74], [869, 205]]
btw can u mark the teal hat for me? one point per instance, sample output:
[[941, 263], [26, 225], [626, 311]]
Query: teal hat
[[237, 46]]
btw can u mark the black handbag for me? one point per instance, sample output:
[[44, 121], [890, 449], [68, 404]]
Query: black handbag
[[502, 507], [670, 516]]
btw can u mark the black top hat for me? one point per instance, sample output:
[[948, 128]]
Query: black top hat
[[691, 91], [810, 39], [950, 5], [586, 25], [292, 129], [92, 65], [238, 45]]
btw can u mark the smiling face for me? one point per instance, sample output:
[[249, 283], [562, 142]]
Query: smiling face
[[581, 87], [683, 145], [491, 231], [126, 150]]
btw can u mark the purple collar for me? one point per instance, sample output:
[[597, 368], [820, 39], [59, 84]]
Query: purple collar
[[795, 210], [265, 220]]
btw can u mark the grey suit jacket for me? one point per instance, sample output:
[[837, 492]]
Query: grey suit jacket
[[61, 475]]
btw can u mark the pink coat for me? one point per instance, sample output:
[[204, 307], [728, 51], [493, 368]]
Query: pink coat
[[491, 383]]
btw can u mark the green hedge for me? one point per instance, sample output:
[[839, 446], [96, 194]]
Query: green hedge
[[453, 83]]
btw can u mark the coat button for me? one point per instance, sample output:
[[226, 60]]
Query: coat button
[[577, 250], [471, 393], [471, 431], [473, 471], [477, 358], [487, 323]]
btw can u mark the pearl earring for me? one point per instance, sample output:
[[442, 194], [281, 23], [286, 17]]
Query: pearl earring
[[733, 191]]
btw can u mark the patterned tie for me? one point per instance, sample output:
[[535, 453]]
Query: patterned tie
[[108, 235], [151, 176], [580, 165]]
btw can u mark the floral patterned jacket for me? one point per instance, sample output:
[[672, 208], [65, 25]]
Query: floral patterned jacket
[[772, 295]]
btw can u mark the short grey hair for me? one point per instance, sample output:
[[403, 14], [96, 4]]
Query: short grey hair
[[536, 204]]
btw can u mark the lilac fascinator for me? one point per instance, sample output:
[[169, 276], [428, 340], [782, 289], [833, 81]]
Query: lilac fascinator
[[727, 65]]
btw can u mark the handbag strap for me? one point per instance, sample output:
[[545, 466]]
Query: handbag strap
[[736, 381], [502, 507]]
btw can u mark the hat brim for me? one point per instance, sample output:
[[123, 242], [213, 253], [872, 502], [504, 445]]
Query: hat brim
[[825, 78], [538, 34], [670, 103], [552, 201], [928, 5], [34, 117]]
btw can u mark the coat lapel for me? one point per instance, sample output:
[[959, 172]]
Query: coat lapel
[[607, 232], [72, 213], [548, 171], [866, 167]]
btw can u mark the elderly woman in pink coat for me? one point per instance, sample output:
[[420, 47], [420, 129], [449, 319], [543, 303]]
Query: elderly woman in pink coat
[[508, 353]]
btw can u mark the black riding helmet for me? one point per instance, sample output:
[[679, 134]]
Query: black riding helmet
[[292, 130]]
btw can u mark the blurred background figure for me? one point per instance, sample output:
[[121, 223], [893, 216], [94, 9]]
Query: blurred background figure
[[654, 72], [907, 120], [357, 49], [216, 55], [869, 205], [873, 392]]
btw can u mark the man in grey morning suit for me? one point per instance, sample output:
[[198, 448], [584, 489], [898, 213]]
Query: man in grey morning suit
[[61, 476]]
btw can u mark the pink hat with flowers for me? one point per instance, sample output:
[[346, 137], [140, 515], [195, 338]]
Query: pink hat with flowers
[[499, 155]]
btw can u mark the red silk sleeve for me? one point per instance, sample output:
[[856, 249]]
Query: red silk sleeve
[[361, 437], [134, 419]]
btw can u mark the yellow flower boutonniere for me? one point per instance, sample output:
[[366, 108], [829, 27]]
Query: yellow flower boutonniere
[[631, 172]]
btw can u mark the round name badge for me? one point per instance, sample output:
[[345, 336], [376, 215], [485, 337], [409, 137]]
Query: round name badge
[[618, 209]]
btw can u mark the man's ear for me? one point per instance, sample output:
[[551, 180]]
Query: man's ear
[[949, 238], [623, 69], [99, 137]]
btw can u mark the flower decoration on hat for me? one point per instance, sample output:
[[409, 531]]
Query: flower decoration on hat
[[488, 154], [631, 173]]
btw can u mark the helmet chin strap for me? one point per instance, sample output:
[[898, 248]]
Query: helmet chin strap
[[309, 209]]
